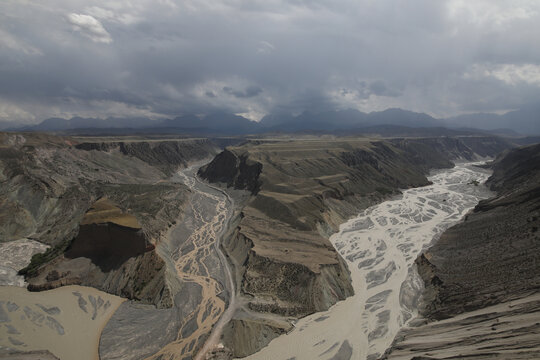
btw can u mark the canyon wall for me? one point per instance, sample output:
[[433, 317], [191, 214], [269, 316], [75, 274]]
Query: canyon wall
[[498, 243], [482, 277]]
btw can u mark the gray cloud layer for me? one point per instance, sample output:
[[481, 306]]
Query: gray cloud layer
[[162, 58]]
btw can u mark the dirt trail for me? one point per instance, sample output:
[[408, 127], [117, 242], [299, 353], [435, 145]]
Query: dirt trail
[[211, 210]]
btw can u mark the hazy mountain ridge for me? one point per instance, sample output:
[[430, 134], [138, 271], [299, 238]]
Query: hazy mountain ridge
[[526, 121]]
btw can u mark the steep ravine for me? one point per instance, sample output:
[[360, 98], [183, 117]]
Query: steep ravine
[[292, 196], [51, 187]]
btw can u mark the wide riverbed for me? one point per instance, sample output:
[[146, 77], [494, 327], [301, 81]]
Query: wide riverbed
[[380, 246]]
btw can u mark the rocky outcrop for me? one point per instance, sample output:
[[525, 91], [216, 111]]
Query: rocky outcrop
[[441, 149], [486, 265], [110, 253], [236, 171], [239, 335], [108, 234], [295, 289], [49, 182], [487, 146], [507, 331], [498, 243], [167, 155], [301, 191]]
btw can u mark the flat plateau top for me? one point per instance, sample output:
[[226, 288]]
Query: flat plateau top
[[103, 211]]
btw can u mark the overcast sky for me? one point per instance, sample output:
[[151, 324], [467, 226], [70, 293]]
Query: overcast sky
[[162, 58]]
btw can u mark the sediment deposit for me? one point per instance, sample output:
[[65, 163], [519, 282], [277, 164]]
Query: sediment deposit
[[65, 322], [198, 280], [103, 207]]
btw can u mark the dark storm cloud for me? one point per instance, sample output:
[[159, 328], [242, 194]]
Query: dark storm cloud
[[163, 58], [311, 100], [249, 92], [379, 88]]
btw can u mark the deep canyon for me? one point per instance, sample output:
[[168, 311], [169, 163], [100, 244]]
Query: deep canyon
[[270, 248]]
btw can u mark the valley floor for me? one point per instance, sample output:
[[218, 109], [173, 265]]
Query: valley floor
[[380, 246]]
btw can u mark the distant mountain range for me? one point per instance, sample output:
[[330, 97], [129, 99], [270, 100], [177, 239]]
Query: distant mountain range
[[347, 119], [390, 121], [524, 121]]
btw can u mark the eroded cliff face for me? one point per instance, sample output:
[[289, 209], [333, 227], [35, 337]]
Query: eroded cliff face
[[49, 183], [236, 171], [497, 243], [167, 155], [110, 253], [481, 276], [301, 192]]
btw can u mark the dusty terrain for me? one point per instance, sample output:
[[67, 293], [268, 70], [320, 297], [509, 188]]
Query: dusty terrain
[[199, 283], [508, 330], [104, 206], [51, 182]]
